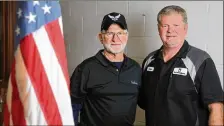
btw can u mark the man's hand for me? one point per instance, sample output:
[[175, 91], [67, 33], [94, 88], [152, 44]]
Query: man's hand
[[216, 114]]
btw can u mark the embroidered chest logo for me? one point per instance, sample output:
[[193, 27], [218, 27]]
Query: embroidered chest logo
[[180, 71], [114, 18], [134, 82], [150, 69]]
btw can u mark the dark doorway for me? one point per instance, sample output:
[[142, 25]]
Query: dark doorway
[[7, 24]]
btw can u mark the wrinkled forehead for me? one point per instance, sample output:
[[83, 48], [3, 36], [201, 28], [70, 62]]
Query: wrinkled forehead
[[170, 13], [175, 12], [174, 17]]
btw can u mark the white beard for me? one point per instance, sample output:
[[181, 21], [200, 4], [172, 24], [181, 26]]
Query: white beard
[[111, 50]]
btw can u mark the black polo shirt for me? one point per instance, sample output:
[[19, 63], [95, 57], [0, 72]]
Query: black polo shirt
[[108, 94], [178, 92]]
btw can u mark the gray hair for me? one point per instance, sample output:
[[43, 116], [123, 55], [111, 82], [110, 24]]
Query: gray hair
[[170, 10]]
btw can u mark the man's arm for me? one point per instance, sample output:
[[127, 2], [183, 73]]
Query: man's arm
[[216, 114], [78, 93], [211, 92], [141, 98]]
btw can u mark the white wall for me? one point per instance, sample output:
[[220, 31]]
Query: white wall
[[82, 20]]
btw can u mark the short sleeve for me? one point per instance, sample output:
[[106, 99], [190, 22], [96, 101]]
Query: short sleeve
[[210, 88]]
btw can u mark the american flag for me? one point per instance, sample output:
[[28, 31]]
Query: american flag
[[38, 89]]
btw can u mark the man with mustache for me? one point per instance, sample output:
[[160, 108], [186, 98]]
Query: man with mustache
[[106, 85], [181, 86]]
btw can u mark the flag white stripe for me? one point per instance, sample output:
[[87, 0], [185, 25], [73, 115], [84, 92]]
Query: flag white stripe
[[9, 100], [34, 114], [55, 75], [32, 111], [20, 78], [10, 120], [61, 25]]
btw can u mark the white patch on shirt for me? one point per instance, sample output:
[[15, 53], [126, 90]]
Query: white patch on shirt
[[150, 69], [180, 71], [134, 82]]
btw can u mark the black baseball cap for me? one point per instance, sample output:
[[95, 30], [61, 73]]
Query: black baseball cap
[[114, 18]]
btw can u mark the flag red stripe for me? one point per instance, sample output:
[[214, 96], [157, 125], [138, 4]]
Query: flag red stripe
[[6, 115], [40, 81], [55, 35], [17, 109]]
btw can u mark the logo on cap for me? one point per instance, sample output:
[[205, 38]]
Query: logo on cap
[[114, 18]]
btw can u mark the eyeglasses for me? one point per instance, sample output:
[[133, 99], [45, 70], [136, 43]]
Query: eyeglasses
[[111, 34]]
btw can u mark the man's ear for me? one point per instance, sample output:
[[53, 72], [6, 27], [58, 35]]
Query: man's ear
[[100, 37], [186, 27], [158, 29]]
